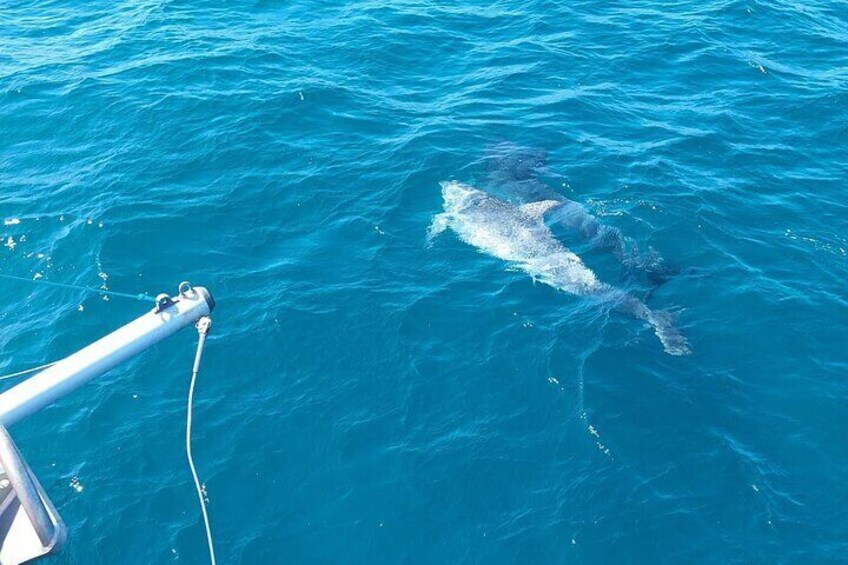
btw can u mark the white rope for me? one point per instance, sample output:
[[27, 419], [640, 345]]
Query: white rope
[[203, 325], [27, 371]]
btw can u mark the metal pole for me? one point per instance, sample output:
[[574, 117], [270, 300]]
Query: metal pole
[[18, 474], [103, 355]]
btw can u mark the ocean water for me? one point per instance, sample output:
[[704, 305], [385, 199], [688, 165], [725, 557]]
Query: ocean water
[[366, 398]]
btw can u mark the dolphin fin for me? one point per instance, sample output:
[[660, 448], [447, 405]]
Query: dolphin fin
[[538, 209], [437, 226]]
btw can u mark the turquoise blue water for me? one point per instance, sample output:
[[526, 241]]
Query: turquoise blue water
[[366, 398]]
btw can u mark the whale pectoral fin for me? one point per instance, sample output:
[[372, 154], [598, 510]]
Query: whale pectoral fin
[[538, 209], [437, 226]]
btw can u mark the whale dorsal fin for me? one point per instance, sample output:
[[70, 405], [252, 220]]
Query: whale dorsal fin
[[538, 209]]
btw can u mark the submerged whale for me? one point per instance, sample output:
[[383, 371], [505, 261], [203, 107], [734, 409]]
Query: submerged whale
[[518, 234], [516, 172]]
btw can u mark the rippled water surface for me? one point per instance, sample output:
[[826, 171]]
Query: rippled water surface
[[369, 399]]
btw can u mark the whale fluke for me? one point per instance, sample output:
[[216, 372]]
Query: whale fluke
[[673, 342]]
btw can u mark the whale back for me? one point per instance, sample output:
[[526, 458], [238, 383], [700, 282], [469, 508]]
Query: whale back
[[516, 234]]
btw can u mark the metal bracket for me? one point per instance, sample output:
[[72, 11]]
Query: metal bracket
[[185, 289], [203, 325], [163, 302]]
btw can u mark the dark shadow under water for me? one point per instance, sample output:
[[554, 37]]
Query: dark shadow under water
[[514, 173]]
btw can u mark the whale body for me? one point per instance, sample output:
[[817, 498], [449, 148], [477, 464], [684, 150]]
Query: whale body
[[518, 235]]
